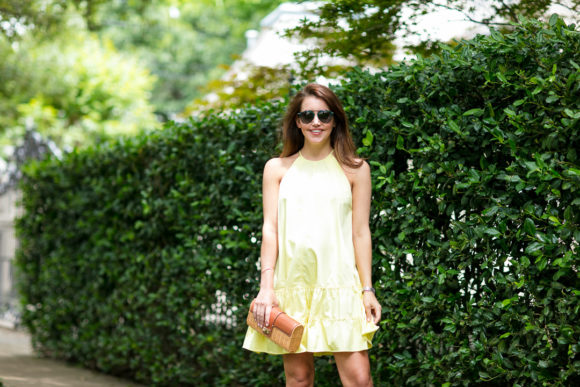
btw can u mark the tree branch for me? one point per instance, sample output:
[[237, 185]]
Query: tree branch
[[510, 10], [483, 22]]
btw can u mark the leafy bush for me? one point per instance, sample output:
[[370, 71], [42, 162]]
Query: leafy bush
[[126, 248], [476, 199], [139, 258]]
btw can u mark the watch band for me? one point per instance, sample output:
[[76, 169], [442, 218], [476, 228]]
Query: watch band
[[369, 289]]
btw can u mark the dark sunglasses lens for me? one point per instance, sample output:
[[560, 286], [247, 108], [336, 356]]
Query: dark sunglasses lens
[[325, 116], [307, 116]]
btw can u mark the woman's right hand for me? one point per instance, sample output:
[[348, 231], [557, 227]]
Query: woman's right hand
[[263, 304]]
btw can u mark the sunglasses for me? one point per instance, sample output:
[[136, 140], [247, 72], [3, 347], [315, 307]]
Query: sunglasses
[[307, 116]]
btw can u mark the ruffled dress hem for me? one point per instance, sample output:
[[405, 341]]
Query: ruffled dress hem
[[257, 343], [339, 326]]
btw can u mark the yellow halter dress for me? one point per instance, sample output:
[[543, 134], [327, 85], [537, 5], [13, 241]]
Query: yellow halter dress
[[316, 280]]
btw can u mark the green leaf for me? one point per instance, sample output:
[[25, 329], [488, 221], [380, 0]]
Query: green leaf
[[506, 302], [510, 112], [368, 140], [453, 125], [533, 247], [541, 262], [572, 114], [491, 211], [501, 77], [400, 142], [474, 112], [529, 226], [492, 231]]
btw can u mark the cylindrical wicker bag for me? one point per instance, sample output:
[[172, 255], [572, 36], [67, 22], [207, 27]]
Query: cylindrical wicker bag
[[282, 329]]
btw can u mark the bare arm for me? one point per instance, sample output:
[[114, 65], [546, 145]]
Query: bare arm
[[269, 251], [361, 236]]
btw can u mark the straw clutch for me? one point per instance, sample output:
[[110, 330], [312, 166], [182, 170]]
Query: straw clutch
[[282, 329]]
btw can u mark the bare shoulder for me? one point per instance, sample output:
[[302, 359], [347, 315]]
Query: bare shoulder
[[278, 166], [362, 173], [364, 168]]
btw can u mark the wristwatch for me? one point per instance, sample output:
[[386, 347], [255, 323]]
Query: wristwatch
[[369, 289]]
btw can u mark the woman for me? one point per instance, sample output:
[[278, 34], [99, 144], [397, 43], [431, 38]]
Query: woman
[[316, 243]]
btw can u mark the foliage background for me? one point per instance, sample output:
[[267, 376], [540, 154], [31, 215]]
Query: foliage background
[[375, 24], [184, 51], [139, 257], [83, 71], [76, 90]]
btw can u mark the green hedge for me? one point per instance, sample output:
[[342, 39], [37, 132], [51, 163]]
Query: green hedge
[[139, 258]]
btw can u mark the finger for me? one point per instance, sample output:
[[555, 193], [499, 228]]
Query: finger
[[255, 313], [258, 315], [267, 315], [261, 324], [368, 312], [377, 315]]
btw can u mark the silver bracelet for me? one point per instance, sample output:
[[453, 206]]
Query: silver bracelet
[[369, 289]]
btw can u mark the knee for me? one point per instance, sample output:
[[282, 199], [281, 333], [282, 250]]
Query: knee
[[301, 377], [361, 379]]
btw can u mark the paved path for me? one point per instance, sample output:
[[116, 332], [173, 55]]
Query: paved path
[[19, 367]]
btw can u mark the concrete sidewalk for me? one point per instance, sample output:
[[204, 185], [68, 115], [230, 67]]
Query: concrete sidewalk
[[20, 367]]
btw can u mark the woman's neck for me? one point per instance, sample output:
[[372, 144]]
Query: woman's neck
[[312, 152]]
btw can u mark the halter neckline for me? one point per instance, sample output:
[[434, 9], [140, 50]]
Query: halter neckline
[[315, 161]]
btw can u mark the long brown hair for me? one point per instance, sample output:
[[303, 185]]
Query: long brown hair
[[340, 138]]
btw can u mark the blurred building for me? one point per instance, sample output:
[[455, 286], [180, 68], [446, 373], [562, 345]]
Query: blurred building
[[269, 47]]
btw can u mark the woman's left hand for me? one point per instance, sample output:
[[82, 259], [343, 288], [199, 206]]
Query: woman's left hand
[[372, 307]]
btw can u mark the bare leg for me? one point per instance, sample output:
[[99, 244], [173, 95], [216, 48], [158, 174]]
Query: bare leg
[[299, 369], [354, 369]]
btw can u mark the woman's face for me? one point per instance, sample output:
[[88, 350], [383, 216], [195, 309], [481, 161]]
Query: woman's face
[[316, 131]]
